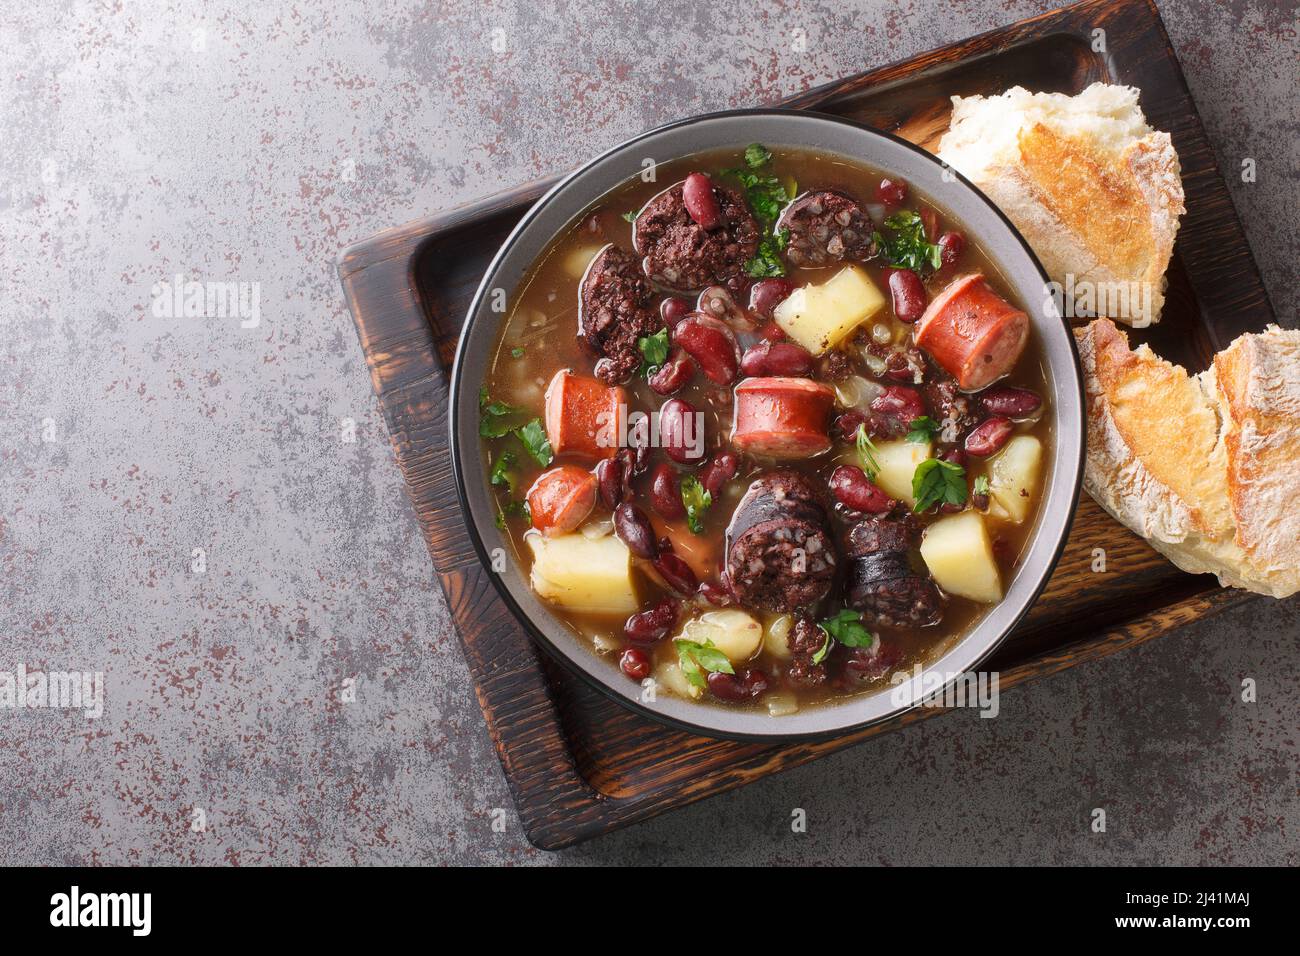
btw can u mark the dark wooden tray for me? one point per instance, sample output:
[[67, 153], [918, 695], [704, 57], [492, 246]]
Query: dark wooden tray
[[577, 763]]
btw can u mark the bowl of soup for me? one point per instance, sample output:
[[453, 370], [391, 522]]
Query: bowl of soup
[[765, 424]]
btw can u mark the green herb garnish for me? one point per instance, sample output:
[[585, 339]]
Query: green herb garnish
[[756, 155], [533, 435], [936, 481], [767, 262], [630, 215], [824, 649], [695, 658], [517, 353], [513, 509], [654, 351], [922, 429], [767, 196], [504, 471], [495, 418], [908, 248], [845, 627], [697, 502], [867, 453], [981, 485]]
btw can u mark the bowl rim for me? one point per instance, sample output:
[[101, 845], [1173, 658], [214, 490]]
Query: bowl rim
[[602, 678]]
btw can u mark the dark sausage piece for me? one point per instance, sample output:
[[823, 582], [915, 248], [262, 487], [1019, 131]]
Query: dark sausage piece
[[826, 227], [681, 254], [615, 308], [882, 584], [780, 555], [805, 640], [952, 408]]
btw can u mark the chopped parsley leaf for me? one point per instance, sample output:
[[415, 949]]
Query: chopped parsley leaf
[[654, 351], [696, 501], [845, 627], [695, 658], [936, 481], [533, 435], [922, 429], [908, 248]]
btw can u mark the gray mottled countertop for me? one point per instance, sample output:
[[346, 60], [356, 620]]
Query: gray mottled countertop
[[207, 511]]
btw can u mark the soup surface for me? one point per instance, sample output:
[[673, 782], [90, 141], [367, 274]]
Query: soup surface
[[766, 430]]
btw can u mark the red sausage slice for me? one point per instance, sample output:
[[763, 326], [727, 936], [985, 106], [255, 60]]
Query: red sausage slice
[[972, 332], [582, 415], [782, 417]]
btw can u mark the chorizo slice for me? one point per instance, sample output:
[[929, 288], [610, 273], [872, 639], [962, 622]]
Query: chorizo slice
[[782, 417], [582, 415], [973, 333]]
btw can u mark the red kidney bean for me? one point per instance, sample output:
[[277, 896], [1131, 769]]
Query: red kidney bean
[[673, 309], [891, 192], [666, 494], [930, 220], [948, 508], [771, 332], [726, 687], [980, 502], [711, 344], [715, 594], [635, 664], [647, 627], [856, 491], [681, 431], [951, 245], [766, 294], [900, 402], [633, 462], [676, 572], [609, 477], [956, 455], [908, 294], [701, 204], [719, 471], [847, 424], [746, 685], [776, 358], [673, 374], [989, 437], [634, 530], [1010, 402]]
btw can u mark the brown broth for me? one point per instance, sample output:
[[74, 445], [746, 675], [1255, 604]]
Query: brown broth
[[543, 322]]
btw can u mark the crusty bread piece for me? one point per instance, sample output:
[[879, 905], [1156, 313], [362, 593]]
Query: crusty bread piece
[[1257, 379], [1095, 191], [1198, 465]]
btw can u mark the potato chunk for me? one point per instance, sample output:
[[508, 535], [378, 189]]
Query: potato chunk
[[588, 575], [898, 461], [576, 261], [959, 554], [733, 632], [819, 317], [1013, 478]]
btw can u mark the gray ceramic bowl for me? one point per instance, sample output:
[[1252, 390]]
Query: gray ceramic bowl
[[982, 221]]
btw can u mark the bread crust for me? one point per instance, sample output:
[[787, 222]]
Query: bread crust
[[1095, 191], [1203, 467], [1257, 381]]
